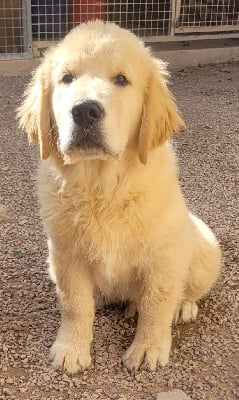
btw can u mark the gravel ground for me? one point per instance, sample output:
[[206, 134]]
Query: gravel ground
[[203, 361]]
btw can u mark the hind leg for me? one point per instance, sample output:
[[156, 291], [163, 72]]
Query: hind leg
[[186, 312], [203, 271]]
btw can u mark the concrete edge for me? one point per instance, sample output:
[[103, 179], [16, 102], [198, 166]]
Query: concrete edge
[[18, 67], [177, 59], [197, 57]]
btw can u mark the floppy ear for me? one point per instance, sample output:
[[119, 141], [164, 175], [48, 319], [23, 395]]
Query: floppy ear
[[34, 113], [160, 114]]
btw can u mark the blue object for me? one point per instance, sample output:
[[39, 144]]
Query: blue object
[[49, 19]]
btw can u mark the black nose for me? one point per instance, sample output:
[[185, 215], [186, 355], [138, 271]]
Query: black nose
[[87, 112]]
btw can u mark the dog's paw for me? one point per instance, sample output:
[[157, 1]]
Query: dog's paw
[[146, 356], [187, 312], [69, 357]]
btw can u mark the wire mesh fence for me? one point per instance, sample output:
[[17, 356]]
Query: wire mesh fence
[[145, 18], [22, 21], [13, 26], [49, 19], [53, 19], [196, 15]]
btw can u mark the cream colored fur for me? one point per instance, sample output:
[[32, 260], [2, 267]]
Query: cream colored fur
[[117, 223]]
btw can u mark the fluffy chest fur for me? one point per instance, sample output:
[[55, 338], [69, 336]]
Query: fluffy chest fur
[[113, 226]]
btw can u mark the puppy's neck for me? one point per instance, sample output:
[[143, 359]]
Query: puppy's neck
[[101, 175], [116, 176]]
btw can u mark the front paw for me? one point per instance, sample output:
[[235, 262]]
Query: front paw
[[70, 357], [147, 355]]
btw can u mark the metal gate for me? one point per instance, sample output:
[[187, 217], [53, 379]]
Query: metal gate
[[153, 20], [206, 16], [15, 29], [46, 21]]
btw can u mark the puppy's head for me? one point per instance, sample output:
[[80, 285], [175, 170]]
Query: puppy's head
[[96, 94]]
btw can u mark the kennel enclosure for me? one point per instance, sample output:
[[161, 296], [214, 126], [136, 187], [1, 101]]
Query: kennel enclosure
[[24, 23]]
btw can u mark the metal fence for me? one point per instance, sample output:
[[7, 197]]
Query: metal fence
[[207, 16], [53, 19], [44, 21], [15, 29]]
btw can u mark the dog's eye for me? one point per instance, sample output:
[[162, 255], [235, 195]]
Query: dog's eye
[[67, 78], [120, 80]]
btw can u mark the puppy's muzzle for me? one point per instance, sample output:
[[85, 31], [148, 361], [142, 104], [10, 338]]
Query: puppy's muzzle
[[87, 116]]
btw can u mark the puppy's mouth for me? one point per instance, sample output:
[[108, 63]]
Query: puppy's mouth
[[88, 145]]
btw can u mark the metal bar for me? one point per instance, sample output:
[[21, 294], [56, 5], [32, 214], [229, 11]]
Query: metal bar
[[29, 28], [199, 29], [154, 39], [173, 5], [177, 13], [187, 37]]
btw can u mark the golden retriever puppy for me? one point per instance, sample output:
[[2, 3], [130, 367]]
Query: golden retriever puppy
[[116, 219]]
